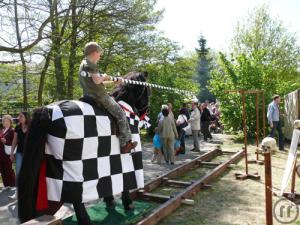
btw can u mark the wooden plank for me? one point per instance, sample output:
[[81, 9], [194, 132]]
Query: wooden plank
[[206, 186], [44, 220], [153, 184], [209, 163], [162, 198], [153, 197], [168, 207], [227, 152], [177, 183]]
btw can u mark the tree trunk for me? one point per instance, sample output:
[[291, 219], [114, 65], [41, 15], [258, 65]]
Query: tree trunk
[[91, 30], [56, 45], [73, 47], [24, 68], [42, 78]]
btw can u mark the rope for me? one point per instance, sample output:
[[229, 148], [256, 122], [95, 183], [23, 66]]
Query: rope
[[276, 193], [176, 90]]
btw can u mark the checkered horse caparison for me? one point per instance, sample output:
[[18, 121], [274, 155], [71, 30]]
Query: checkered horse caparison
[[83, 155]]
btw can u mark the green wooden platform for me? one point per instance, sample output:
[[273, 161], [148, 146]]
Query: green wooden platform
[[100, 215]]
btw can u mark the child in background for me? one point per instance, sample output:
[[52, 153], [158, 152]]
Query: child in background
[[156, 147], [177, 147]]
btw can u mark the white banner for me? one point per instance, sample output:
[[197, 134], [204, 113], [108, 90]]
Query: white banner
[[291, 161]]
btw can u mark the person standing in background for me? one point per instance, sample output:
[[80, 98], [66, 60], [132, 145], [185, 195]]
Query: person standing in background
[[157, 148], [168, 133], [6, 138], [195, 126], [205, 121], [273, 116], [181, 123], [160, 116], [208, 105], [19, 142], [185, 110], [171, 114]]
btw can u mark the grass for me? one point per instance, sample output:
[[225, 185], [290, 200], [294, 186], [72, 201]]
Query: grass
[[232, 201]]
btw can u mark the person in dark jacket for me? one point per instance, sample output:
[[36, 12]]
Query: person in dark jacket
[[181, 123], [205, 120], [18, 143], [184, 110]]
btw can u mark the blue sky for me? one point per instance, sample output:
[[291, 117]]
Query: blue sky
[[185, 20]]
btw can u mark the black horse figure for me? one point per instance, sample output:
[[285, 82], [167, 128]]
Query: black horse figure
[[72, 154]]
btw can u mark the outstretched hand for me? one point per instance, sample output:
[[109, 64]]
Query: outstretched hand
[[98, 79]]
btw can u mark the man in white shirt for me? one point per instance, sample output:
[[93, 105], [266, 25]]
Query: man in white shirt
[[273, 116], [195, 125]]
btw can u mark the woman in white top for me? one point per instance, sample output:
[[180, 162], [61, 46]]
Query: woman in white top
[[181, 123]]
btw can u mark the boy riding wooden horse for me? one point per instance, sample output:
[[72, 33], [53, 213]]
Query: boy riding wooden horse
[[92, 84]]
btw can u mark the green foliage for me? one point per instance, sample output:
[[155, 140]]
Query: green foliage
[[203, 71], [177, 73], [264, 56], [11, 87]]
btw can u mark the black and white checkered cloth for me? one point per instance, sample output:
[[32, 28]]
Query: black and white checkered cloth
[[83, 155]]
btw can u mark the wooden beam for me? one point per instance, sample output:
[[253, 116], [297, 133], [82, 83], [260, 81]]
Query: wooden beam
[[227, 152], [153, 197], [172, 204], [268, 188], [162, 198], [209, 163], [44, 220], [177, 183]]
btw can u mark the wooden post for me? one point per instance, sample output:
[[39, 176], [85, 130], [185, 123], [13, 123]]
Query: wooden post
[[264, 114], [257, 125], [293, 179], [268, 188], [245, 130], [245, 175]]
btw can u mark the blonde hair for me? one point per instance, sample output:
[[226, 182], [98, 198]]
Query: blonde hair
[[7, 117], [92, 47]]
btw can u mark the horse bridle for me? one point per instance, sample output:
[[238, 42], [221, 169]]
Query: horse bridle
[[139, 98]]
